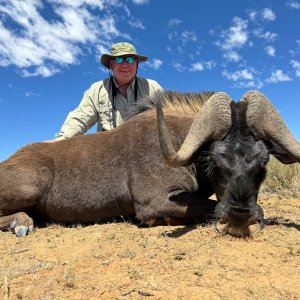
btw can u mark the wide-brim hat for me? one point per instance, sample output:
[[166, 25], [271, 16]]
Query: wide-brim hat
[[121, 49]]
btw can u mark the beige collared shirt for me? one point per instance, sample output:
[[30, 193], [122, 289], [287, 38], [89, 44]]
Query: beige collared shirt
[[96, 107]]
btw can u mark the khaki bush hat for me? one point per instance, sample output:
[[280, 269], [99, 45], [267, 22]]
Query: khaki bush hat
[[121, 49]]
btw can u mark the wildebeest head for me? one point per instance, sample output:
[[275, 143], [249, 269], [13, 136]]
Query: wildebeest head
[[238, 139]]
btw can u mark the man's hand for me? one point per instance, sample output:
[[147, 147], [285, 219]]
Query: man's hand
[[50, 141]]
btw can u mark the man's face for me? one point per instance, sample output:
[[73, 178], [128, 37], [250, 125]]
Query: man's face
[[124, 68]]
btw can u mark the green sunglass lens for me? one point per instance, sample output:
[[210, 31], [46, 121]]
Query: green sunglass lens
[[129, 60], [119, 60]]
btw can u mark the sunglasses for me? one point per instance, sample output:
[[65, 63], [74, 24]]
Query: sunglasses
[[129, 59]]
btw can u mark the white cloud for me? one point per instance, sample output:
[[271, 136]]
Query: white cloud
[[103, 48], [270, 51], [179, 50], [248, 84], [41, 47], [210, 64], [179, 67], [31, 94], [235, 36], [268, 36], [278, 76], [238, 75], [188, 36], [44, 71], [174, 22], [200, 66], [155, 63], [197, 67], [108, 27], [232, 56], [244, 78], [296, 65], [79, 3], [252, 15], [293, 4], [234, 39], [169, 49], [136, 24], [140, 2], [184, 36], [268, 15]]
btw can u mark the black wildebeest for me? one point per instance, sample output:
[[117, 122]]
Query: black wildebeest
[[223, 148]]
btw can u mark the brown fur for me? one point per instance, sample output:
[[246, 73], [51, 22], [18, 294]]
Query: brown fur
[[93, 177]]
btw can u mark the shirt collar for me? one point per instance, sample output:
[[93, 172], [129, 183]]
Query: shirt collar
[[130, 86]]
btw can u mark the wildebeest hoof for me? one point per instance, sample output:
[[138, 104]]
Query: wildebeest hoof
[[22, 231], [21, 224]]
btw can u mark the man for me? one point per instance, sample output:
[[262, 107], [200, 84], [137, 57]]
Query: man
[[108, 101]]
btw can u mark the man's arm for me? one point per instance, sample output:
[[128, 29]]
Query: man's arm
[[82, 118], [154, 87]]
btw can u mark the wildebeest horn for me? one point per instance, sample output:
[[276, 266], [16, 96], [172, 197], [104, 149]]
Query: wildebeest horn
[[268, 124], [211, 123]]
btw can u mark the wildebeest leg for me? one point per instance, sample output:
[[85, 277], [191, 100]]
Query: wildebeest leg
[[20, 223], [20, 189], [13, 200]]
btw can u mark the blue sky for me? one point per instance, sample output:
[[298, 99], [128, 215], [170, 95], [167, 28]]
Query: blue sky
[[50, 51]]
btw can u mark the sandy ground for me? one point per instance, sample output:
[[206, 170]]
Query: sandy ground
[[122, 261]]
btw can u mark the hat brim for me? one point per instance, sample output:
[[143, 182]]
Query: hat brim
[[105, 58]]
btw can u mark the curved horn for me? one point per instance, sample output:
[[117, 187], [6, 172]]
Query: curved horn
[[268, 124], [211, 123]]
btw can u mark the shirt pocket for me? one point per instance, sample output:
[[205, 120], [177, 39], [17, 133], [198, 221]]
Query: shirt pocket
[[106, 116]]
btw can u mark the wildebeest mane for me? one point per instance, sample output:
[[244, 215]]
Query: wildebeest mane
[[173, 102], [239, 127]]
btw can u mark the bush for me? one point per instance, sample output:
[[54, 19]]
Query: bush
[[283, 180]]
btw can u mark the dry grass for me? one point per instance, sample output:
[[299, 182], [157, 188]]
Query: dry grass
[[282, 180], [121, 261]]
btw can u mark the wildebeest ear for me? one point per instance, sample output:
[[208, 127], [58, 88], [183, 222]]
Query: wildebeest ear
[[278, 152]]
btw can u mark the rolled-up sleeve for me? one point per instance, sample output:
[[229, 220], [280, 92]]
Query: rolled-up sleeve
[[83, 117], [155, 87]]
